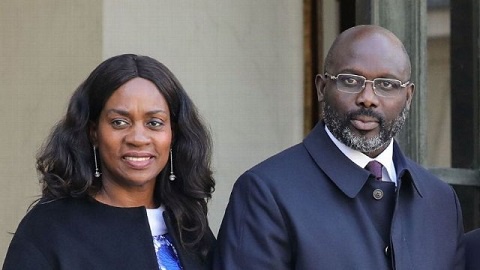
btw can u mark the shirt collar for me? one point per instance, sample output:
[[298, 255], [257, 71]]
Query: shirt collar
[[156, 221], [359, 158]]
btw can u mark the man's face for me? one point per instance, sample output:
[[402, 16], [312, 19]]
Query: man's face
[[340, 126], [365, 121]]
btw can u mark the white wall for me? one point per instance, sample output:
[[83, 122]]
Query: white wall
[[240, 61], [46, 49]]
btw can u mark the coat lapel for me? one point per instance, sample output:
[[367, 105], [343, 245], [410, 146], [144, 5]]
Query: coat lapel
[[345, 174]]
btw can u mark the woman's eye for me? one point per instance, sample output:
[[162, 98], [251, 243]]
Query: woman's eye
[[119, 123], [155, 123]]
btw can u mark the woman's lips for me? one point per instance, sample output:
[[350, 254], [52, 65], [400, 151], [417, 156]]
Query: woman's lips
[[138, 162]]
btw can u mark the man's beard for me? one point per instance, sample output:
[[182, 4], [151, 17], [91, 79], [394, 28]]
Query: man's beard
[[339, 126]]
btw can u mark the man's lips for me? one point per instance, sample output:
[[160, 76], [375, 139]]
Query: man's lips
[[364, 123]]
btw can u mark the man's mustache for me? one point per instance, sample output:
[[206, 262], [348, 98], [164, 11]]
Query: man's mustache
[[366, 112]]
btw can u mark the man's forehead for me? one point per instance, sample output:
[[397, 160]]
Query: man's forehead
[[372, 52], [368, 42]]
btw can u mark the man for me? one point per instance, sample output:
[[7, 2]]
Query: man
[[472, 250], [315, 206]]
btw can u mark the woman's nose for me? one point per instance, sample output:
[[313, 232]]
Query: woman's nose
[[138, 135]]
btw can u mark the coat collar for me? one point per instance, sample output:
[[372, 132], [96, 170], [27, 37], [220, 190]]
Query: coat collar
[[406, 173], [346, 175]]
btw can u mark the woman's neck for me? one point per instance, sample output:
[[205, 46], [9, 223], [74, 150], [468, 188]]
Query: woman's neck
[[125, 198]]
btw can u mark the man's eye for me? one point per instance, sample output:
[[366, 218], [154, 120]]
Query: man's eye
[[350, 81], [388, 85]]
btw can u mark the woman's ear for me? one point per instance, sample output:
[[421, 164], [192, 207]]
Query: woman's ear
[[92, 131]]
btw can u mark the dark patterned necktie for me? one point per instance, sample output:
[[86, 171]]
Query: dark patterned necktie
[[375, 168], [166, 254]]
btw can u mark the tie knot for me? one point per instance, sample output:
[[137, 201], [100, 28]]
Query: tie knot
[[375, 168]]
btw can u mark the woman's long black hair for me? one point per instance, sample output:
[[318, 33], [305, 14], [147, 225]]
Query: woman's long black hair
[[66, 161]]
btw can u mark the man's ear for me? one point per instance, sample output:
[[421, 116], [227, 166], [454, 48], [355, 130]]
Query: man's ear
[[410, 93], [320, 83], [92, 131]]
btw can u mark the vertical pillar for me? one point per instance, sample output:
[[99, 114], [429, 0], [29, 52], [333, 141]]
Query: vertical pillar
[[465, 84], [313, 59], [465, 95]]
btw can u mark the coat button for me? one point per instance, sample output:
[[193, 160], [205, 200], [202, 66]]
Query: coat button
[[378, 194], [387, 251]]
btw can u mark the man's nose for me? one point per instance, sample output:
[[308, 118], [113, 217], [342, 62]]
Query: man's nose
[[367, 97]]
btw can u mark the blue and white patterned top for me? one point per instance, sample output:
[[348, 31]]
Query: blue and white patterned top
[[167, 256]]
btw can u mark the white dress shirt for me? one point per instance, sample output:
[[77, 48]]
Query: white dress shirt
[[385, 158]]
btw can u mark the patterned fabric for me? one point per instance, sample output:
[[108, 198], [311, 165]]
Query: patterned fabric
[[166, 254], [375, 168]]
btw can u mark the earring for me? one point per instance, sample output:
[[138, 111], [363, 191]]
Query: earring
[[172, 175], [97, 172]]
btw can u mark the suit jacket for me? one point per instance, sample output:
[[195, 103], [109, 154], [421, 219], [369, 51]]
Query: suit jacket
[[472, 250], [310, 207], [85, 234]]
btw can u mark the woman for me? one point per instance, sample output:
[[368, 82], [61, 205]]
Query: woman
[[125, 178]]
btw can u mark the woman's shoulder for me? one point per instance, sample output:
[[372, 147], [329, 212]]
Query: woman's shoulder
[[49, 211], [46, 205], [45, 219]]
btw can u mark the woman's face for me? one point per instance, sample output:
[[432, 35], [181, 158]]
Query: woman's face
[[133, 136]]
